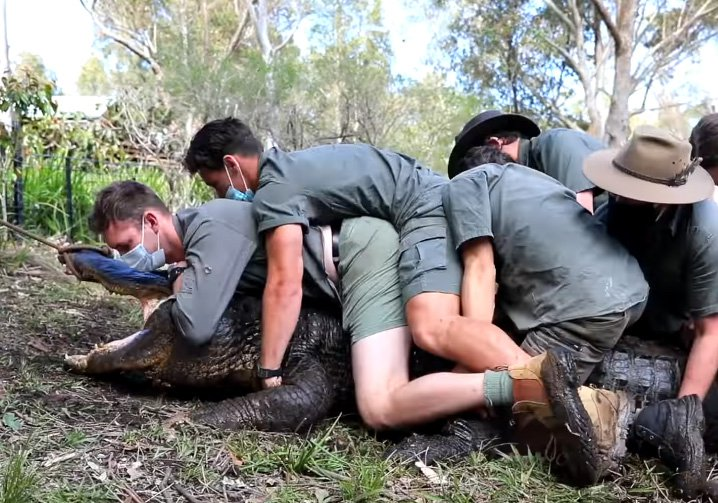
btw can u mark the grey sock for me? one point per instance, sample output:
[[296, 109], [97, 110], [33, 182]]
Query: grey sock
[[498, 388]]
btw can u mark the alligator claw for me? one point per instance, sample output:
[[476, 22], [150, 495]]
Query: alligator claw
[[76, 362]]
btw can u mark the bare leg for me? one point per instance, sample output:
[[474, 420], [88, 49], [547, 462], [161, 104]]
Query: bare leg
[[387, 399], [438, 328]]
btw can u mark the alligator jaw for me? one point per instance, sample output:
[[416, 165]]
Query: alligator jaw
[[116, 276]]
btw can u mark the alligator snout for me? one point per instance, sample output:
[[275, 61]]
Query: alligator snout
[[115, 275]]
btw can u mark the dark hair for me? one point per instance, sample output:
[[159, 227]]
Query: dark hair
[[124, 200], [704, 140], [485, 154], [216, 139]]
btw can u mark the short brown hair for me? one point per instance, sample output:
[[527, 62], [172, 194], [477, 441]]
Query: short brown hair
[[123, 200], [704, 140]]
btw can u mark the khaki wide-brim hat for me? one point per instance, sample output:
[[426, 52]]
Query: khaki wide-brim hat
[[654, 166]]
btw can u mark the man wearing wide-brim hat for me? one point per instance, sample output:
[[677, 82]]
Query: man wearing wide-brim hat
[[557, 152], [704, 140], [660, 209]]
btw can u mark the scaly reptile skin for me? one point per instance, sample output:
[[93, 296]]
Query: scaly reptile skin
[[318, 368]]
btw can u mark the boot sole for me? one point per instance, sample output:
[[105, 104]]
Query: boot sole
[[691, 477], [578, 441]]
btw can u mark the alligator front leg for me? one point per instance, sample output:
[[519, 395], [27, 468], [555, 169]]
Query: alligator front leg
[[458, 439], [140, 351], [304, 398]]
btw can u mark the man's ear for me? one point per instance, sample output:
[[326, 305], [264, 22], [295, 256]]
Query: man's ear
[[493, 141], [230, 162], [152, 220]]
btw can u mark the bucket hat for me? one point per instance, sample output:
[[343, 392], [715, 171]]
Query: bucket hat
[[654, 166], [481, 127]]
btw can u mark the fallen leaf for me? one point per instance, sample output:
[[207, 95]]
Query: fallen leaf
[[59, 459], [321, 495], [11, 421], [235, 459], [134, 470], [39, 345], [430, 474]]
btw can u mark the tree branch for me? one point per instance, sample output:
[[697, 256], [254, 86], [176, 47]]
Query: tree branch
[[570, 61], [124, 37], [239, 32], [606, 18], [561, 15]]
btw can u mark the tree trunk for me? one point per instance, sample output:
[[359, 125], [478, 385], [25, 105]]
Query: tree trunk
[[623, 83]]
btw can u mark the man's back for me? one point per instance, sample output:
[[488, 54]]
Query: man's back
[[554, 261], [324, 184]]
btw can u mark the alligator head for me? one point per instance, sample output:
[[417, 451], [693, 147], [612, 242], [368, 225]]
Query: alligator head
[[116, 276]]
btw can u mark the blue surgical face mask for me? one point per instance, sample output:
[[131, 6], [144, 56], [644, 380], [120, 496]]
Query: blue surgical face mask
[[238, 195], [141, 259]]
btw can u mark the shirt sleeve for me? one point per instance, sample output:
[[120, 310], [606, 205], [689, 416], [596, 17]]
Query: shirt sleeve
[[216, 255], [561, 154], [277, 204], [467, 206], [702, 285]]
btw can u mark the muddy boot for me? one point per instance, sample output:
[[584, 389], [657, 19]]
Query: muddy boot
[[672, 431], [546, 390], [610, 413]]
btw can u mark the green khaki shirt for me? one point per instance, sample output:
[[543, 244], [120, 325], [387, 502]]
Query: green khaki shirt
[[530, 218], [678, 252], [560, 153], [327, 183], [225, 255]]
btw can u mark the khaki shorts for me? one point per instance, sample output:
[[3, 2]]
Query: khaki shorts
[[369, 275], [429, 261], [587, 339]]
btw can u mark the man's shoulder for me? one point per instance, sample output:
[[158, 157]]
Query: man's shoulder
[[704, 218], [235, 214], [561, 139]]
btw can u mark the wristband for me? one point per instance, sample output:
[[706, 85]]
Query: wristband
[[263, 373], [174, 273]]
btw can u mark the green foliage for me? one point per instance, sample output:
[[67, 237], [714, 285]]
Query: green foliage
[[93, 79], [28, 96], [45, 195], [19, 482]]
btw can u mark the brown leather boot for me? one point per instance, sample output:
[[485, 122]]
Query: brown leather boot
[[546, 390], [610, 413]]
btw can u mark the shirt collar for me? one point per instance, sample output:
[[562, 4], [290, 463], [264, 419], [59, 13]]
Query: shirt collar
[[524, 152], [673, 217]]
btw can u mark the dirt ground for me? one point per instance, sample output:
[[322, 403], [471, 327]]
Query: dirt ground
[[68, 438]]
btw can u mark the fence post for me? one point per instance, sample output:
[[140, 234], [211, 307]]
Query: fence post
[[68, 194], [18, 200]]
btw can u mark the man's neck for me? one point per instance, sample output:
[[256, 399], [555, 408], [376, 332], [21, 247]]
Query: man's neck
[[512, 150]]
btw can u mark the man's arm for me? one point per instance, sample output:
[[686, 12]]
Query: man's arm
[[702, 297], [478, 286], [585, 199], [216, 257], [282, 298], [702, 362]]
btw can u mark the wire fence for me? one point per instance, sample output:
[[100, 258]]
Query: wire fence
[[54, 194]]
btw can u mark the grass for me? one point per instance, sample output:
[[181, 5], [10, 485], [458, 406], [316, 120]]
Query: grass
[[66, 438]]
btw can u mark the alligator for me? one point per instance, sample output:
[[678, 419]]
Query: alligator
[[318, 377]]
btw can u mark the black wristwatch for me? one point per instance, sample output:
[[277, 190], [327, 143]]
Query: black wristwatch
[[263, 373], [174, 273]]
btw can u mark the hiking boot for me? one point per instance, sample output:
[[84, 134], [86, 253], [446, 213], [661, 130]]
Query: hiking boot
[[672, 431], [610, 413], [546, 389]]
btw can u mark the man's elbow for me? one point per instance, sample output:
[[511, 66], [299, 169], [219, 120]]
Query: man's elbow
[[283, 289], [196, 334]]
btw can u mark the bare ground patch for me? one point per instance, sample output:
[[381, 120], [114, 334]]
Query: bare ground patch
[[67, 438]]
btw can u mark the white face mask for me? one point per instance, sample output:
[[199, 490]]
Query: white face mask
[[141, 259]]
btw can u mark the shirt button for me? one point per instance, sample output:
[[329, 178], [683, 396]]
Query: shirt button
[[207, 269]]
